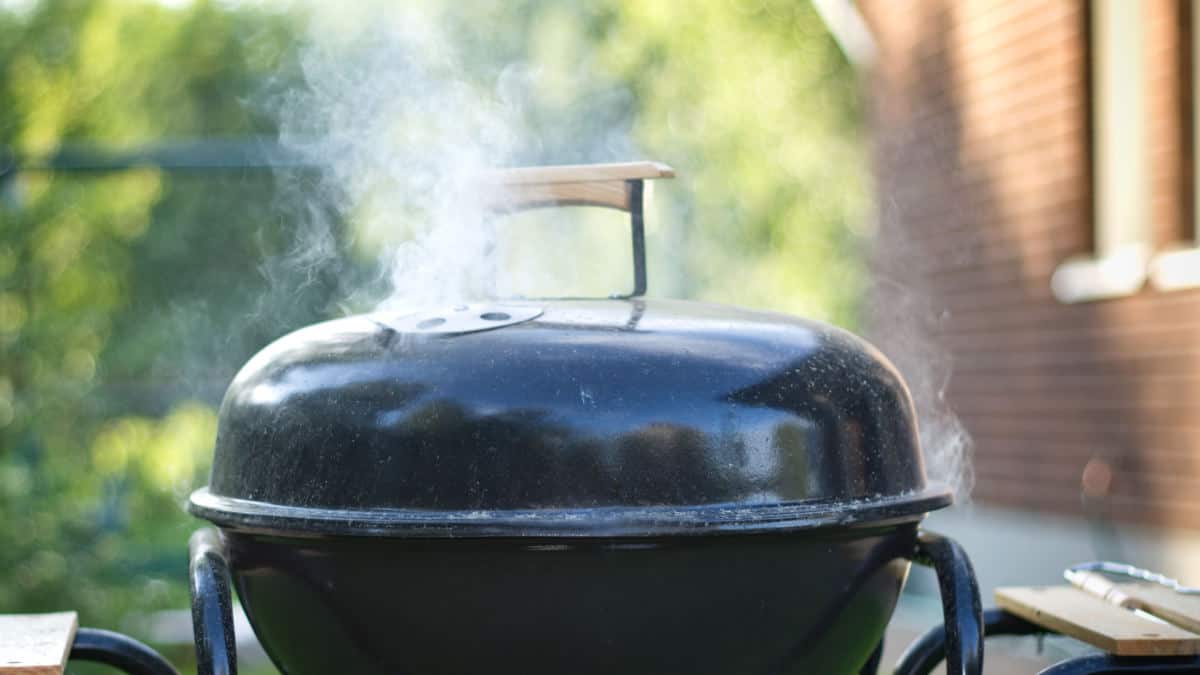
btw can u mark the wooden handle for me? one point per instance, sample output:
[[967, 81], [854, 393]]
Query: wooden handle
[[604, 185], [1099, 586], [582, 173]]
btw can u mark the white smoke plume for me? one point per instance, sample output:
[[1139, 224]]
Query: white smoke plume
[[405, 124], [404, 139], [907, 328]]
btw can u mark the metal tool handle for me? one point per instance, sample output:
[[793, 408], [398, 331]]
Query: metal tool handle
[[960, 639], [212, 605], [1121, 569], [617, 186]]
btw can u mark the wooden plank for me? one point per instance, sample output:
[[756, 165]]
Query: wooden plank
[[36, 644], [1181, 610], [1072, 612]]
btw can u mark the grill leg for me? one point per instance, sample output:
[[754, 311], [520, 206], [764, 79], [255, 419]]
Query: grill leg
[[212, 606], [119, 651], [959, 640], [923, 655]]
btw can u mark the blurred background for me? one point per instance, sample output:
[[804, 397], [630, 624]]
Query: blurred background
[[999, 193]]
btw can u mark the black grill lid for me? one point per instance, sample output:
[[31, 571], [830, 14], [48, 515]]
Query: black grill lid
[[566, 418]]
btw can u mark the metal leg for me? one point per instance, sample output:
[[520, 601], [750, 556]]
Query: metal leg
[[119, 651], [960, 638], [635, 190], [212, 606], [927, 651]]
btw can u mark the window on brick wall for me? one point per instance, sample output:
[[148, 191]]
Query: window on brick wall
[[1120, 171], [1178, 265]]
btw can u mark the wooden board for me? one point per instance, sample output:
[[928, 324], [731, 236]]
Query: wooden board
[[36, 644], [1072, 612], [1181, 610]]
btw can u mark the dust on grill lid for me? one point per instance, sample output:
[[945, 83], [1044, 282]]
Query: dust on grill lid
[[566, 418]]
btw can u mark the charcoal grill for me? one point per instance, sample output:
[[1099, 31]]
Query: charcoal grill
[[645, 575], [589, 486]]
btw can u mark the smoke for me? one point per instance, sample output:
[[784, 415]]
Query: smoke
[[403, 140], [907, 328], [405, 119]]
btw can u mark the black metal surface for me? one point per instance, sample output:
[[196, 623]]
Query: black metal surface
[[694, 418], [119, 651], [814, 602], [637, 228], [212, 607], [1107, 664], [928, 650], [959, 641]]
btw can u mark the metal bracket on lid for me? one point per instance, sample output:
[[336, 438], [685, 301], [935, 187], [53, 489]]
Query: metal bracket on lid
[[637, 228], [615, 186], [459, 319]]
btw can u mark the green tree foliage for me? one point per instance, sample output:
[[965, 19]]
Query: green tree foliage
[[129, 299], [760, 111]]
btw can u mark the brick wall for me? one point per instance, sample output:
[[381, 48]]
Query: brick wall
[[980, 119]]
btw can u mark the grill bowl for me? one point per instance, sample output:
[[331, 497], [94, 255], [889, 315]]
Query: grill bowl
[[769, 603]]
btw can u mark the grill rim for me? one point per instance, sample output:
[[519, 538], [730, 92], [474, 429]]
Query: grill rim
[[247, 515]]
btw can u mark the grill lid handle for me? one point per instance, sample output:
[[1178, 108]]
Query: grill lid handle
[[615, 186]]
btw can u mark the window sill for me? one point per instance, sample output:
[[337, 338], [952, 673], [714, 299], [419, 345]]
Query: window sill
[[1119, 274], [1176, 270]]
